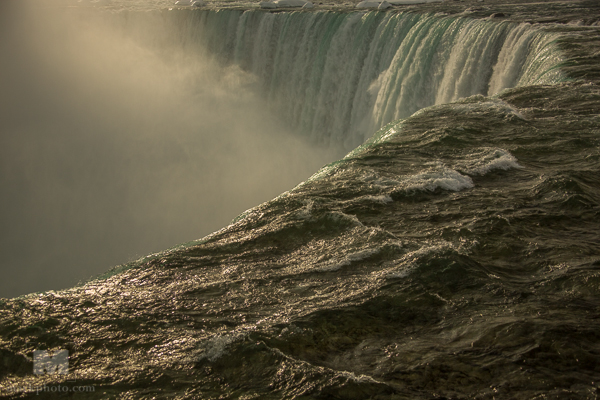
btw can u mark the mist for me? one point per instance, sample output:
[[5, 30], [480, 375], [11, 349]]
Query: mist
[[117, 141]]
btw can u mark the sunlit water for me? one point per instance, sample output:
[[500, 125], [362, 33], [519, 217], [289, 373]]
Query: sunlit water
[[453, 254]]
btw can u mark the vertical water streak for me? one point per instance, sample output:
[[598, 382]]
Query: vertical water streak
[[511, 59], [474, 52]]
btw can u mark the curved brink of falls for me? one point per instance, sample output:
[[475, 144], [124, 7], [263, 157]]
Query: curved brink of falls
[[338, 77]]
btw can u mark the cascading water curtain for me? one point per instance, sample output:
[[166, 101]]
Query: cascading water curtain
[[338, 77]]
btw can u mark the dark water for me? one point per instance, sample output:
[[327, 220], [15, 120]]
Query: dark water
[[455, 254]]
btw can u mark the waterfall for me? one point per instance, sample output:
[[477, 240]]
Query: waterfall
[[338, 77]]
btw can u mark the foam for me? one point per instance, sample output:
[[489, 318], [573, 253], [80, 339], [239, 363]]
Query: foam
[[402, 2], [334, 265], [490, 159], [380, 5], [401, 273], [381, 199], [339, 217], [285, 4], [306, 211], [216, 346], [445, 179], [187, 3]]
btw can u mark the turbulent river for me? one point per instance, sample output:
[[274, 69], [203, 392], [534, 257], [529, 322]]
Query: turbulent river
[[451, 250]]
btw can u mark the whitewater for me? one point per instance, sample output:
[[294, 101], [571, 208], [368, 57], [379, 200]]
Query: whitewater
[[448, 249]]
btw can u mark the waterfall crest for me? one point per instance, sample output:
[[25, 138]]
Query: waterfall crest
[[338, 77]]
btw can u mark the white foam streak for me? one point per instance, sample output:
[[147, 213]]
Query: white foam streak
[[216, 346], [336, 264], [489, 160], [446, 179]]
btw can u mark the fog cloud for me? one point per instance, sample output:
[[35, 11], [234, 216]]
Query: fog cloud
[[115, 141]]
